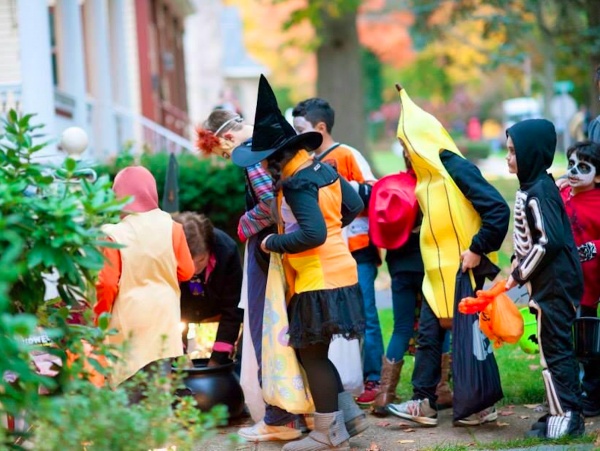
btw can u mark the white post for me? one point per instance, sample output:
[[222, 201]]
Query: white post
[[120, 66], [37, 92], [71, 63], [98, 50]]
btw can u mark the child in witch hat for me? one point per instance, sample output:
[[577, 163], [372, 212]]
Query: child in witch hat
[[220, 134], [314, 203], [316, 114]]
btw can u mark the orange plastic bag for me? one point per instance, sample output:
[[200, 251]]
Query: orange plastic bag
[[506, 321], [499, 318]]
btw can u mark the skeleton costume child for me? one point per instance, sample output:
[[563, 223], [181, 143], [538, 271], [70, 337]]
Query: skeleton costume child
[[548, 264]]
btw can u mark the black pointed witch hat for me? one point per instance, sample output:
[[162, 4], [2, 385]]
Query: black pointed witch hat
[[272, 132]]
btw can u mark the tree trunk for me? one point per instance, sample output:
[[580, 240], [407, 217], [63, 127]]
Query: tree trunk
[[592, 8], [549, 76], [339, 78]]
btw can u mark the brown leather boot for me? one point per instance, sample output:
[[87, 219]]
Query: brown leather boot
[[443, 391], [390, 375]]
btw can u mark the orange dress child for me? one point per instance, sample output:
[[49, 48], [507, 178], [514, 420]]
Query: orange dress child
[[139, 284]]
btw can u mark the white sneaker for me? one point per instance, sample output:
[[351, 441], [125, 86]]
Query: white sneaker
[[485, 416], [262, 432], [417, 410]]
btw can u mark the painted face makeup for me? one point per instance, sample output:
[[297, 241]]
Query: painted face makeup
[[581, 173]]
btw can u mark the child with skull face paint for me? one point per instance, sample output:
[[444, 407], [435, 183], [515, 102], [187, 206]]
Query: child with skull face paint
[[547, 263], [582, 202]]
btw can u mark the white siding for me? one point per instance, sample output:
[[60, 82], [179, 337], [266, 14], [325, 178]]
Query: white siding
[[10, 64], [203, 47], [132, 57]]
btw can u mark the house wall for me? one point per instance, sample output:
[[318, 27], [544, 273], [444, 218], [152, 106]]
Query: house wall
[[133, 57], [161, 63], [10, 63], [204, 59]]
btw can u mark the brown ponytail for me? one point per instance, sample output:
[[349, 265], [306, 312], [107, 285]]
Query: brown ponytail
[[199, 232]]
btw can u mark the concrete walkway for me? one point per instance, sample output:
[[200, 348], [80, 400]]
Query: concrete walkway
[[392, 433]]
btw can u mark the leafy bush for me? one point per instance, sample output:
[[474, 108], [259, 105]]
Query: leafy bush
[[206, 185], [50, 228], [474, 150], [103, 419]]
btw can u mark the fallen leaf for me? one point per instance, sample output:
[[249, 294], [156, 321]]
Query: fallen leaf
[[501, 424], [534, 367], [409, 430], [383, 424], [405, 441], [405, 425], [374, 447], [523, 417], [505, 413], [530, 406]]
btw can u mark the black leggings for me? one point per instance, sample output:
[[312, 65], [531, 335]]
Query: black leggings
[[323, 377]]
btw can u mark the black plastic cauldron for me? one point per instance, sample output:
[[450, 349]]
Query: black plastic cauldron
[[586, 338], [214, 385]]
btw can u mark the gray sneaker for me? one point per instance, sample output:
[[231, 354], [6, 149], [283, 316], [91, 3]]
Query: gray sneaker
[[485, 416], [417, 410]]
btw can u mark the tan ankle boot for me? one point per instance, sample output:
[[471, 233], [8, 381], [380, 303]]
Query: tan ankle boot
[[443, 391], [390, 375], [355, 419], [329, 434]]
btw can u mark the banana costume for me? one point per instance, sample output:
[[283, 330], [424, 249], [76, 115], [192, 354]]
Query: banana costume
[[449, 219]]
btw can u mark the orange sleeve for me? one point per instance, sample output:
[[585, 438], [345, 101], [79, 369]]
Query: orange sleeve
[[185, 263], [354, 169], [107, 286]]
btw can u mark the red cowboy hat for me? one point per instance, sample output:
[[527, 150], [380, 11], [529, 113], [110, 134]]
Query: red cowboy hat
[[393, 210]]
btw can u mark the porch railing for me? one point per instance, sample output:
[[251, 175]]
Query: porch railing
[[132, 129]]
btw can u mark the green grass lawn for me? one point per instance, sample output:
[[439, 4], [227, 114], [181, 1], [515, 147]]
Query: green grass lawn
[[520, 373]]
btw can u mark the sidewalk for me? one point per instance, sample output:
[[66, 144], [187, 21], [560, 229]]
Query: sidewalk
[[392, 433]]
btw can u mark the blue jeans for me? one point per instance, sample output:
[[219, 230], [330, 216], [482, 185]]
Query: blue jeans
[[406, 286], [372, 349]]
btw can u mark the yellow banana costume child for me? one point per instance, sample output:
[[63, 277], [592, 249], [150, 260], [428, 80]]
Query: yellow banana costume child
[[451, 221]]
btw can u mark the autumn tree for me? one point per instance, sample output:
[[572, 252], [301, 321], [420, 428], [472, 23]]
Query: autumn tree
[[342, 28], [560, 36]]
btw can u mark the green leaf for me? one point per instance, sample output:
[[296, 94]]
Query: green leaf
[[70, 164], [103, 321], [12, 116]]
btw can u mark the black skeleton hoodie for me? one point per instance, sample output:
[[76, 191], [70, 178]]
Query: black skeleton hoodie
[[544, 246]]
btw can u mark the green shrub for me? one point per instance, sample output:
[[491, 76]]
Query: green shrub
[[474, 150], [206, 185], [50, 225], [103, 419]]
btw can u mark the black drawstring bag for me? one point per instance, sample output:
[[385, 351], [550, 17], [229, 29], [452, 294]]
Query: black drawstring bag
[[474, 369]]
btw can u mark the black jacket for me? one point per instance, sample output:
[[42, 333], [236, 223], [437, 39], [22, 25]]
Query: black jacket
[[544, 245], [302, 195], [221, 294], [486, 200]]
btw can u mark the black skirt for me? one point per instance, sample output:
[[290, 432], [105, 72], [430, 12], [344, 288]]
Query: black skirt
[[315, 316]]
